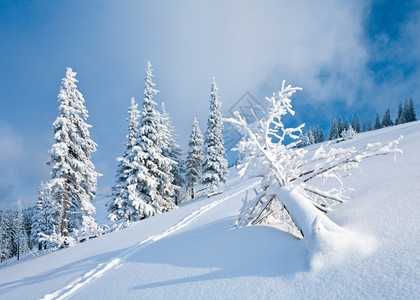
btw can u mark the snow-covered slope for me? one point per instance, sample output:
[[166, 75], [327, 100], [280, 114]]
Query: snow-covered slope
[[194, 252]]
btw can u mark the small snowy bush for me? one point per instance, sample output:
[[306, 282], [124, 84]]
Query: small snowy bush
[[348, 134]]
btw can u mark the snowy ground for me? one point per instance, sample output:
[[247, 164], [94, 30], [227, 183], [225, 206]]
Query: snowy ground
[[195, 253]]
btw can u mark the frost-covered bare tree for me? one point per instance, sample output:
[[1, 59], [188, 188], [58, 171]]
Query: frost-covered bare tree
[[288, 196]]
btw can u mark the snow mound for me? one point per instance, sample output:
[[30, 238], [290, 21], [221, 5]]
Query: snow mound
[[328, 248]]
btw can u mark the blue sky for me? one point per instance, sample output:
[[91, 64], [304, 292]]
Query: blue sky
[[348, 56]]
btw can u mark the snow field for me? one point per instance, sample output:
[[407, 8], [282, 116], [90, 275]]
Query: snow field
[[196, 254]]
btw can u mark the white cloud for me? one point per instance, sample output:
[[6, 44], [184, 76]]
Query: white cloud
[[245, 43]]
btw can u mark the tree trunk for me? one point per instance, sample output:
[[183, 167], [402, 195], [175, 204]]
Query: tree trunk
[[304, 213], [63, 225]]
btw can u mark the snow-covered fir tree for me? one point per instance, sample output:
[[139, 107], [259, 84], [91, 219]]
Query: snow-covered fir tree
[[127, 202], [321, 137], [74, 178], [334, 131], [386, 120], [413, 115], [409, 111], [315, 133], [151, 178], [369, 126], [151, 142], [341, 126], [21, 237], [346, 126], [348, 134], [303, 141], [377, 122], [311, 136], [318, 135], [358, 127], [46, 219], [215, 164], [194, 159], [400, 114], [6, 235], [27, 223], [36, 219], [172, 150]]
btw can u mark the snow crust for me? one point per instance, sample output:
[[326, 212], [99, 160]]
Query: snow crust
[[195, 252]]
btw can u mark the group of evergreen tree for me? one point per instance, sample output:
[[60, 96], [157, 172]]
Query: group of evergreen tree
[[312, 136], [145, 182], [150, 174], [405, 114], [15, 232], [340, 128], [64, 212]]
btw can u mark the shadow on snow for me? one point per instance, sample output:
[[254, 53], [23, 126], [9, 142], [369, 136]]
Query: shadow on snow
[[234, 253]]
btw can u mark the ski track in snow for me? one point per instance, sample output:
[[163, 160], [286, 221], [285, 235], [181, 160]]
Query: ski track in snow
[[116, 262]]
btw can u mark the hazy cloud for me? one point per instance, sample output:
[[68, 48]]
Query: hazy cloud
[[22, 165], [322, 46]]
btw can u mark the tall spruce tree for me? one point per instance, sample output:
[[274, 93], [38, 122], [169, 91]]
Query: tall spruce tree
[[409, 111], [369, 126], [346, 125], [153, 170], [412, 111], [334, 131], [310, 136], [400, 114], [303, 140], [127, 203], [215, 164], [27, 223], [341, 126], [172, 150], [46, 218], [21, 238], [74, 177], [194, 158], [386, 120], [358, 128], [321, 136], [377, 122], [6, 238]]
